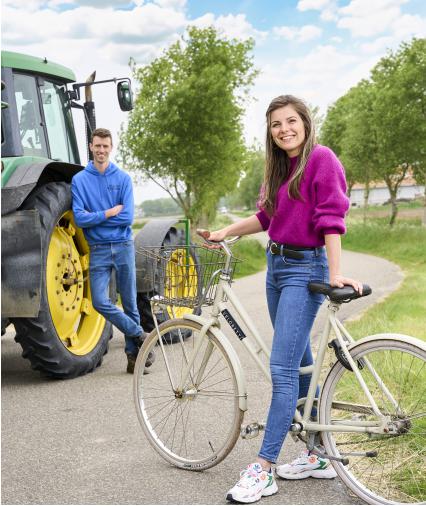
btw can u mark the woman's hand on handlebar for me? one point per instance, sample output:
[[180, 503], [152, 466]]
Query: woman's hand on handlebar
[[212, 237], [217, 236]]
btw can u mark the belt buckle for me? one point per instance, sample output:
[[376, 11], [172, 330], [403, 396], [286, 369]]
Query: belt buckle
[[274, 248]]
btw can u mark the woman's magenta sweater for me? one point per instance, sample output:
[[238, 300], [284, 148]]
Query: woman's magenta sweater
[[322, 208]]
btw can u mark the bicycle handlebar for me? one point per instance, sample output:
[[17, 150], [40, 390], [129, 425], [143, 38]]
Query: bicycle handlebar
[[223, 244]]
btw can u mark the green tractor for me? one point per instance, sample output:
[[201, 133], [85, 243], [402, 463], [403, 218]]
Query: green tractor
[[45, 257]]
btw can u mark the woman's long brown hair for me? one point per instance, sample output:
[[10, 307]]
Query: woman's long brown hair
[[277, 166]]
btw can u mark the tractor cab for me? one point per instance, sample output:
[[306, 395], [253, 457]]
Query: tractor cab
[[37, 122]]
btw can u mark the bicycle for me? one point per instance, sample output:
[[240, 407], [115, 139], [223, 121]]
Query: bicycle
[[371, 411]]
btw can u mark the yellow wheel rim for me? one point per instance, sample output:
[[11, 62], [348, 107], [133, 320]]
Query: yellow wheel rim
[[181, 281], [77, 324]]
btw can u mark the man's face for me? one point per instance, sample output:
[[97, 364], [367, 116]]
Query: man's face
[[101, 148]]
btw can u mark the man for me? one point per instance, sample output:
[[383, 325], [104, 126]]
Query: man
[[103, 207]]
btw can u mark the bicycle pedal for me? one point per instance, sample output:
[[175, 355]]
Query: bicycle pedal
[[251, 430]]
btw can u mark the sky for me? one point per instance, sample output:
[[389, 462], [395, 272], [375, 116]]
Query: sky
[[314, 49]]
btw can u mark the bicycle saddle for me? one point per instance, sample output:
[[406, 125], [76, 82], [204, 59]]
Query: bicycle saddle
[[345, 294]]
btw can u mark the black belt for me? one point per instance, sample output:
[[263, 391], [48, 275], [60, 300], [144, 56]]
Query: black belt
[[288, 250]]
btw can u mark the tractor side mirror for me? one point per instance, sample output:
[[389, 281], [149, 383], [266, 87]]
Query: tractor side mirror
[[124, 94]]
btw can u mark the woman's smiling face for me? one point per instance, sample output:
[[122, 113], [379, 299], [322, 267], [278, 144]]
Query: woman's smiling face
[[287, 130]]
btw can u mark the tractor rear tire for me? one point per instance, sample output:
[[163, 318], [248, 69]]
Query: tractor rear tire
[[68, 338]]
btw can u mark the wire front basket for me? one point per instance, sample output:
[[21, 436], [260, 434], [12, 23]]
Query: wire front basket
[[185, 276]]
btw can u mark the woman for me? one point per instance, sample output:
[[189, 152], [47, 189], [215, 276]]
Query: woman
[[302, 205]]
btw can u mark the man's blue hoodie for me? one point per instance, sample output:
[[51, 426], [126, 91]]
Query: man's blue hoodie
[[92, 194]]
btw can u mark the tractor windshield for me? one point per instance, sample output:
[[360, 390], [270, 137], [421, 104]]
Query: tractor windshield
[[45, 120]]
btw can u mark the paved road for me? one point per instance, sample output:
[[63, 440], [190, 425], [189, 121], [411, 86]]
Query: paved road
[[79, 441]]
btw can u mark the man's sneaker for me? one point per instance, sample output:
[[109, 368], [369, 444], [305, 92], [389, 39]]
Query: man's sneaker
[[254, 483], [306, 466], [131, 361]]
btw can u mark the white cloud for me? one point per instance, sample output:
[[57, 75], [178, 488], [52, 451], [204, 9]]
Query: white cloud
[[171, 4], [408, 26], [369, 18], [145, 25], [234, 26], [298, 34], [328, 8], [366, 18], [377, 45], [363, 8], [305, 5]]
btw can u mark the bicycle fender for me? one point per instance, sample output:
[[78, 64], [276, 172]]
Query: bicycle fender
[[233, 357], [390, 337]]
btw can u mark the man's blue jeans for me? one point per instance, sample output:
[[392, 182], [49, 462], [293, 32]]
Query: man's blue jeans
[[120, 257], [292, 308]]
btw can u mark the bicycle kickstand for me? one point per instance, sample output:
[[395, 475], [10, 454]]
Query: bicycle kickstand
[[313, 441]]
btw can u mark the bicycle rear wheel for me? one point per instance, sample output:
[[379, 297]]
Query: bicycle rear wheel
[[397, 474], [194, 427]]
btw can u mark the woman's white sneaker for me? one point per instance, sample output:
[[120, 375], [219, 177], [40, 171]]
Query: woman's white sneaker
[[306, 466], [253, 484]]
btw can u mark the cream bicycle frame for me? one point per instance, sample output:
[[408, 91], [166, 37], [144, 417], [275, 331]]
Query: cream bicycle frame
[[255, 346]]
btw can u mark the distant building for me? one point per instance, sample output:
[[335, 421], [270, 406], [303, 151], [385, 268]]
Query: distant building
[[379, 193]]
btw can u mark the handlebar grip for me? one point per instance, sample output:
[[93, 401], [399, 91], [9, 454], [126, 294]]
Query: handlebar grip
[[226, 242]]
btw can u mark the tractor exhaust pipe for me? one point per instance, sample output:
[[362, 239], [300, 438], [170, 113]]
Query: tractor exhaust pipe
[[89, 111]]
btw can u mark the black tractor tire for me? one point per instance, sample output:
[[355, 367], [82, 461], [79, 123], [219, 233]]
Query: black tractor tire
[[174, 237], [38, 336]]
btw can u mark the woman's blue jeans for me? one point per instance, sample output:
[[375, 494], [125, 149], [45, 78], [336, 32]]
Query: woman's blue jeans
[[292, 308], [120, 257]]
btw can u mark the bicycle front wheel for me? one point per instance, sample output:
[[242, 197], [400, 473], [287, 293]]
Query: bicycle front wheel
[[192, 422], [386, 468]]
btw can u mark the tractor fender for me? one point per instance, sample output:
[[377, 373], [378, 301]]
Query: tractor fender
[[152, 235], [28, 176]]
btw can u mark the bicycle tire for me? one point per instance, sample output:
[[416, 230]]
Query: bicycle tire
[[396, 475], [204, 423]]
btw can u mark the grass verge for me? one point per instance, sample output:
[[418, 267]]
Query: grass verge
[[404, 311], [249, 250]]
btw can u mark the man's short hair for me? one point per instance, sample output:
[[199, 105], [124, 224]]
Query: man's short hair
[[101, 132]]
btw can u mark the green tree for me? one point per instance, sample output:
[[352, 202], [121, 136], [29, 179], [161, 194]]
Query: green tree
[[360, 141], [333, 132], [412, 62], [185, 131], [247, 193], [399, 110], [349, 132]]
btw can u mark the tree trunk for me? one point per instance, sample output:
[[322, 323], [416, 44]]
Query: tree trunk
[[202, 221], [366, 195], [394, 207]]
